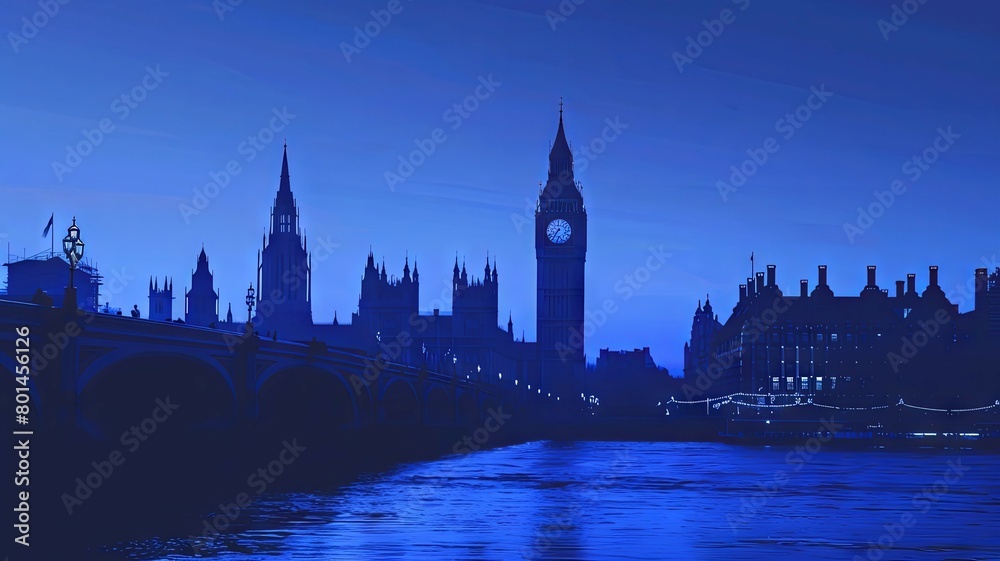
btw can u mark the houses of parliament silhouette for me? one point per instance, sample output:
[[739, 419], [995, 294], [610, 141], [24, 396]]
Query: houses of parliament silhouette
[[468, 341]]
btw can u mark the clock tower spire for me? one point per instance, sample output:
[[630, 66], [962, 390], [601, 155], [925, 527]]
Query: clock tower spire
[[561, 254]]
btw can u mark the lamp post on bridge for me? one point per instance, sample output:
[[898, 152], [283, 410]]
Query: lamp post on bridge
[[73, 248], [250, 302]]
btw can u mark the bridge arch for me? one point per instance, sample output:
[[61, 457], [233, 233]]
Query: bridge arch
[[438, 409], [398, 403], [489, 403], [306, 394], [468, 410], [124, 386]]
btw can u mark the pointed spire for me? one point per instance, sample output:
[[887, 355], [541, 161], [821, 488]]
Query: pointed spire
[[156, 285], [416, 275], [698, 311], [406, 267], [286, 184], [560, 156], [151, 283], [486, 275], [335, 320]]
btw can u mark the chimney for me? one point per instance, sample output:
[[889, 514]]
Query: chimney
[[804, 288], [822, 275], [911, 283], [871, 276], [750, 290], [770, 275], [760, 283], [899, 288], [981, 284], [743, 293], [934, 276]]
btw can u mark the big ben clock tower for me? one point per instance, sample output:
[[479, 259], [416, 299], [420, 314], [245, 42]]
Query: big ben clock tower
[[561, 253]]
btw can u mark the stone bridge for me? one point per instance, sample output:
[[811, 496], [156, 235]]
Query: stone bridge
[[99, 372]]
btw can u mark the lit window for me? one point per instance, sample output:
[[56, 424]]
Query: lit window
[[819, 383], [805, 383], [833, 382], [819, 337], [833, 337], [775, 383], [789, 383]]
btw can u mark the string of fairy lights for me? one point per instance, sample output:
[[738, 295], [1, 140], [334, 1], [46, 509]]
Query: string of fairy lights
[[738, 399]]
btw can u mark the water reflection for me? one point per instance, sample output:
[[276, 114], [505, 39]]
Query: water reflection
[[618, 501]]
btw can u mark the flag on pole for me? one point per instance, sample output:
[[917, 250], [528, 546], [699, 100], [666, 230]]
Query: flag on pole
[[751, 257], [48, 226]]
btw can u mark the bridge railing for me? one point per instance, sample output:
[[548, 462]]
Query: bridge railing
[[97, 324]]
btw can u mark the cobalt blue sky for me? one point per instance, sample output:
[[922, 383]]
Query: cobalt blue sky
[[220, 81]]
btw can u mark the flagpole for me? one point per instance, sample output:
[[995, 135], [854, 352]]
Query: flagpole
[[52, 235]]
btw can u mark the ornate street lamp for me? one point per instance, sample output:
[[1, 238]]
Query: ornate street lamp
[[73, 248], [250, 301]]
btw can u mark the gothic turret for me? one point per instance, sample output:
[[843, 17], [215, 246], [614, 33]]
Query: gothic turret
[[201, 305], [160, 301], [284, 273]]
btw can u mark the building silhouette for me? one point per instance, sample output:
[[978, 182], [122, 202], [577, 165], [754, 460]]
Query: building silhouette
[[49, 273], [561, 254], [161, 300], [467, 341], [201, 306], [864, 348], [284, 271], [704, 326], [987, 294]]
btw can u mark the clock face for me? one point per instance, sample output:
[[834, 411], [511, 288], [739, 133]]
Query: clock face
[[558, 231]]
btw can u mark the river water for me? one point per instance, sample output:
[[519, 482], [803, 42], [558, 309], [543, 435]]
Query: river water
[[629, 501]]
